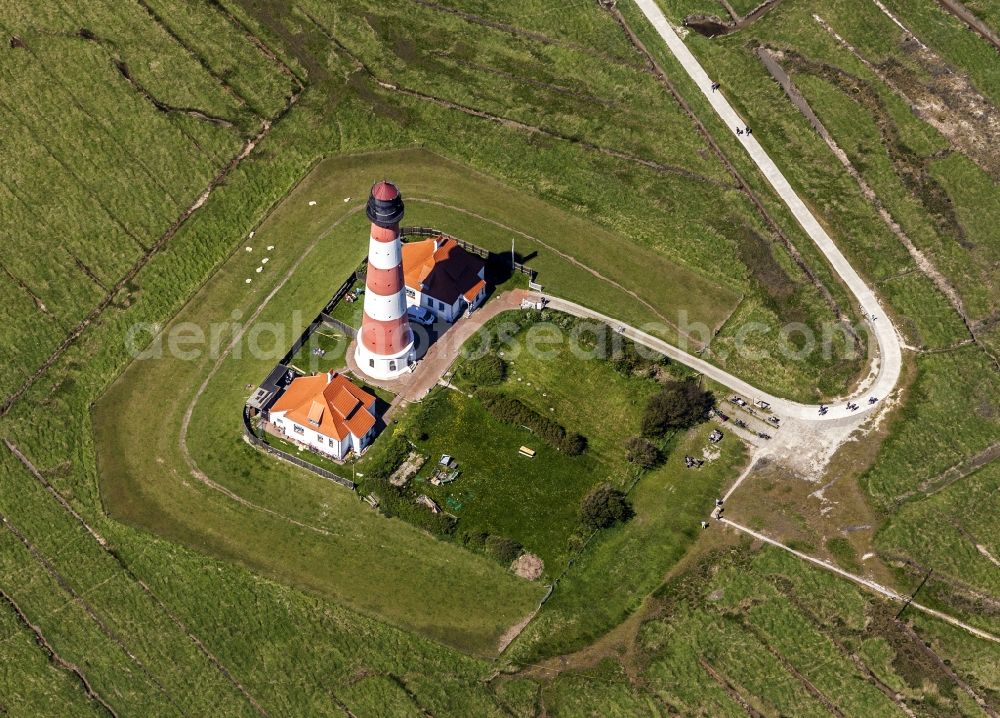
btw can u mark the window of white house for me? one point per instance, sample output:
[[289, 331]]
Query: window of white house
[[298, 429]]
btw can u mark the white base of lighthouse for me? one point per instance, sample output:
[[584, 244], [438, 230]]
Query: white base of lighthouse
[[385, 366]]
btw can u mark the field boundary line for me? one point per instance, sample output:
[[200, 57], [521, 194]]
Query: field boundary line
[[887, 365], [659, 167], [79, 600], [86, 189], [202, 62], [195, 470], [538, 37], [923, 262], [107, 548], [959, 10], [43, 644], [144, 259], [869, 584], [741, 184]]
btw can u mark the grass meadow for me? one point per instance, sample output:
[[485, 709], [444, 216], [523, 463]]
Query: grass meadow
[[534, 501], [92, 160], [758, 631], [144, 474]]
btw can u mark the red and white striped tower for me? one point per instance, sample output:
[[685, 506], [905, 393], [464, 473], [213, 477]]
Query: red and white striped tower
[[385, 345]]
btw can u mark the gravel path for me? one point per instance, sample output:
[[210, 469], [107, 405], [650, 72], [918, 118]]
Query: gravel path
[[887, 365]]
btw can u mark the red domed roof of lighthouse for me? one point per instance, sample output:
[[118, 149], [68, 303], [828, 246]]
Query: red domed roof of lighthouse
[[385, 191], [385, 204]]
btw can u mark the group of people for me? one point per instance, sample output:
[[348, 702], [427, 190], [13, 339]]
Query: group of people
[[739, 130], [692, 463], [850, 406]]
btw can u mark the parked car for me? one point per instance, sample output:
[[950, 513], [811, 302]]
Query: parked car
[[420, 315]]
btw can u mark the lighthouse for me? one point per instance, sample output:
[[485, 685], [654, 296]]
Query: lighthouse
[[385, 345]]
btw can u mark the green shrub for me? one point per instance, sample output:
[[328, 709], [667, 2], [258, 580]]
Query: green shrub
[[386, 458], [642, 452], [513, 411], [680, 405], [475, 539], [487, 370], [503, 549], [394, 502], [605, 506]]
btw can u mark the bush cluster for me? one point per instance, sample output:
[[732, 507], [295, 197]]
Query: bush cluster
[[603, 507], [500, 548], [503, 549], [394, 502], [514, 411], [625, 356], [393, 452], [642, 452], [680, 405], [487, 370]]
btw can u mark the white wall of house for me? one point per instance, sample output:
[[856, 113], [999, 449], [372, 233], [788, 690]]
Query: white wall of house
[[442, 310], [447, 312], [320, 442]]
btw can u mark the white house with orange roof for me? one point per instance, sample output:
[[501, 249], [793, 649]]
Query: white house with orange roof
[[443, 277], [326, 412]]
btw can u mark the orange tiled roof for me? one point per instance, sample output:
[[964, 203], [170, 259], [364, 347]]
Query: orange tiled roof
[[471, 293], [445, 273], [331, 404]]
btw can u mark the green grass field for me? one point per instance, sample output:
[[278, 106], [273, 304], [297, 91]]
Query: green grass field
[[759, 632], [332, 342], [534, 501], [91, 146]]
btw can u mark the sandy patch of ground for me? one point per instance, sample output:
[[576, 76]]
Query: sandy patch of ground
[[528, 566]]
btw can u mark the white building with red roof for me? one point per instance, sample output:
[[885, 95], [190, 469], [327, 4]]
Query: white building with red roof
[[326, 412], [443, 277]]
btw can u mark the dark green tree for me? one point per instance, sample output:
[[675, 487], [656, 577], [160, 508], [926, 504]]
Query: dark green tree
[[642, 452], [603, 507], [679, 405]]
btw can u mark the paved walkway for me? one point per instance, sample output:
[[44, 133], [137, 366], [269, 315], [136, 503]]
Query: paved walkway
[[443, 352], [889, 362]]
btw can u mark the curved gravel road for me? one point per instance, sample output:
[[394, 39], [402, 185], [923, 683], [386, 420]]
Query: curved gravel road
[[888, 362]]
